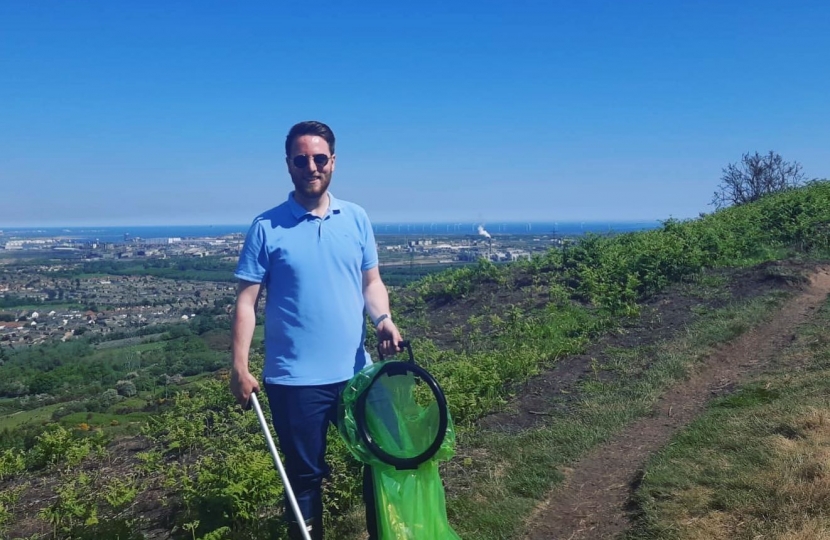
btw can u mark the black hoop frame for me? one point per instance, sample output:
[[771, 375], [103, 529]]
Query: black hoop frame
[[395, 369]]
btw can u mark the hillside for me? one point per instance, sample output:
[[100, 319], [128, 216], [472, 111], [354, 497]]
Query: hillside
[[542, 361]]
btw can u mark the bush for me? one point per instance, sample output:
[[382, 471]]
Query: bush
[[12, 462], [69, 408], [110, 397], [57, 445], [125, 388]]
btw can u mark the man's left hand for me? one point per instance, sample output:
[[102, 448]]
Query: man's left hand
[[389, 337]]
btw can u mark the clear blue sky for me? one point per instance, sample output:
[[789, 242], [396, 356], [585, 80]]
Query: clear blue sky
[[117, 113]]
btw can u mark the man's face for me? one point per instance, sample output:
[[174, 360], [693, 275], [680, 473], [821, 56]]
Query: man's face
[[311, 180]]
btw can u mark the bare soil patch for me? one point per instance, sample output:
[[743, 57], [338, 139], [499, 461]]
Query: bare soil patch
[[593, 502]]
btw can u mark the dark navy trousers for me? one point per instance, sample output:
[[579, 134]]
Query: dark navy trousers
[[301, 416]]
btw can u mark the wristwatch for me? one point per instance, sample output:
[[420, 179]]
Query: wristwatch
[[380, 319]]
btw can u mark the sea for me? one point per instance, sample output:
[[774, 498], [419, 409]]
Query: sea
[[129, 233]]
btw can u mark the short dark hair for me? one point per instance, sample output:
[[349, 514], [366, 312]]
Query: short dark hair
[[311, 127]]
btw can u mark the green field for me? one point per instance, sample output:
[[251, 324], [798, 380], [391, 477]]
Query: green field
[[103, 419], [44, 307], [34, 416]]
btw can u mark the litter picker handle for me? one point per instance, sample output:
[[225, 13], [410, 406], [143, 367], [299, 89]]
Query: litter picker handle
[[286, 484], [403, 345]]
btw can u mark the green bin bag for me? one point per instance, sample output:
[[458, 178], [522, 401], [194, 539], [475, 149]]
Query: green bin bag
[[393, 418]]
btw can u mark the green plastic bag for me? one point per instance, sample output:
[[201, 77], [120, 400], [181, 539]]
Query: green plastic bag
[[410, 504], [403, 418]]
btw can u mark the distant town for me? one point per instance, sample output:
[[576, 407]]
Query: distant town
[[162, 247], [425, 247], [57, 288]]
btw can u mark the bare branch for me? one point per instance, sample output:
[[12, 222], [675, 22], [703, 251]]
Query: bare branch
[[754, 177]]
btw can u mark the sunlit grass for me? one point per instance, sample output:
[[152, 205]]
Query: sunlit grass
[[757, 464], [533, 461], [33, 416]]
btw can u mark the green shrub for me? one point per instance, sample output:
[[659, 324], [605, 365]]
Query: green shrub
[[12, 462]]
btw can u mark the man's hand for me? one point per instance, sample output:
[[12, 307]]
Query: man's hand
[[243, 384], [388, 337]]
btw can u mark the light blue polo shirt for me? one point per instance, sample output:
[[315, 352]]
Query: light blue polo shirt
[[312, 269]]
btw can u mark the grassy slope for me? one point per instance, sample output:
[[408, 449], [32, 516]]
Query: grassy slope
[[17, 419], [757, 465], [509, 474]]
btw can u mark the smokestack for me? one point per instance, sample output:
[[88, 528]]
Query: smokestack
[[483, 232]]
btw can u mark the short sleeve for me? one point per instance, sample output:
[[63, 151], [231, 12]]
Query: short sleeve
[[253, 259], [370, 249]]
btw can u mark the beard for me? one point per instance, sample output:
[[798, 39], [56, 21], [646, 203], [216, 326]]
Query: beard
[[311, 190]]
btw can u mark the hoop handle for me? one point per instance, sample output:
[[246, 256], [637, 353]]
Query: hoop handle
[[405, 344]]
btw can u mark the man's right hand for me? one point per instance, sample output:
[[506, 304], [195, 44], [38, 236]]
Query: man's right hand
[[243, 384]]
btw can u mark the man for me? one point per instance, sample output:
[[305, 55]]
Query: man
[[316, 257]]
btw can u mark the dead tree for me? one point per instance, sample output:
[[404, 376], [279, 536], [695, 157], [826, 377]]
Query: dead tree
[[754, 177]]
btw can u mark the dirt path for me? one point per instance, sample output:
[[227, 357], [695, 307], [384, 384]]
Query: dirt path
[[592, 502]]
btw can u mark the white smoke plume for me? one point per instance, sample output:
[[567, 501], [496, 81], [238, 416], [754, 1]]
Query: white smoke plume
[[483, 232]]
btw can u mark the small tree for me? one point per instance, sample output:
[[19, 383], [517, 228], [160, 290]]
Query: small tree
[[109, 397], [125, 388], [754, 177]]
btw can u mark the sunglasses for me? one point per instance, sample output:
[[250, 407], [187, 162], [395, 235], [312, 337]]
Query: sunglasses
[[301, 161]]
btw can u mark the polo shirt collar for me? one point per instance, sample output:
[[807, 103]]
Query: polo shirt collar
[[299, 212]]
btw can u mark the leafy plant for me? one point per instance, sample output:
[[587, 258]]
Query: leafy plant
[[73, 506], [12, 462]]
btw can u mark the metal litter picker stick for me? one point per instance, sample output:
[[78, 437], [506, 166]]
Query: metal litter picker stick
[[286, 484]]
